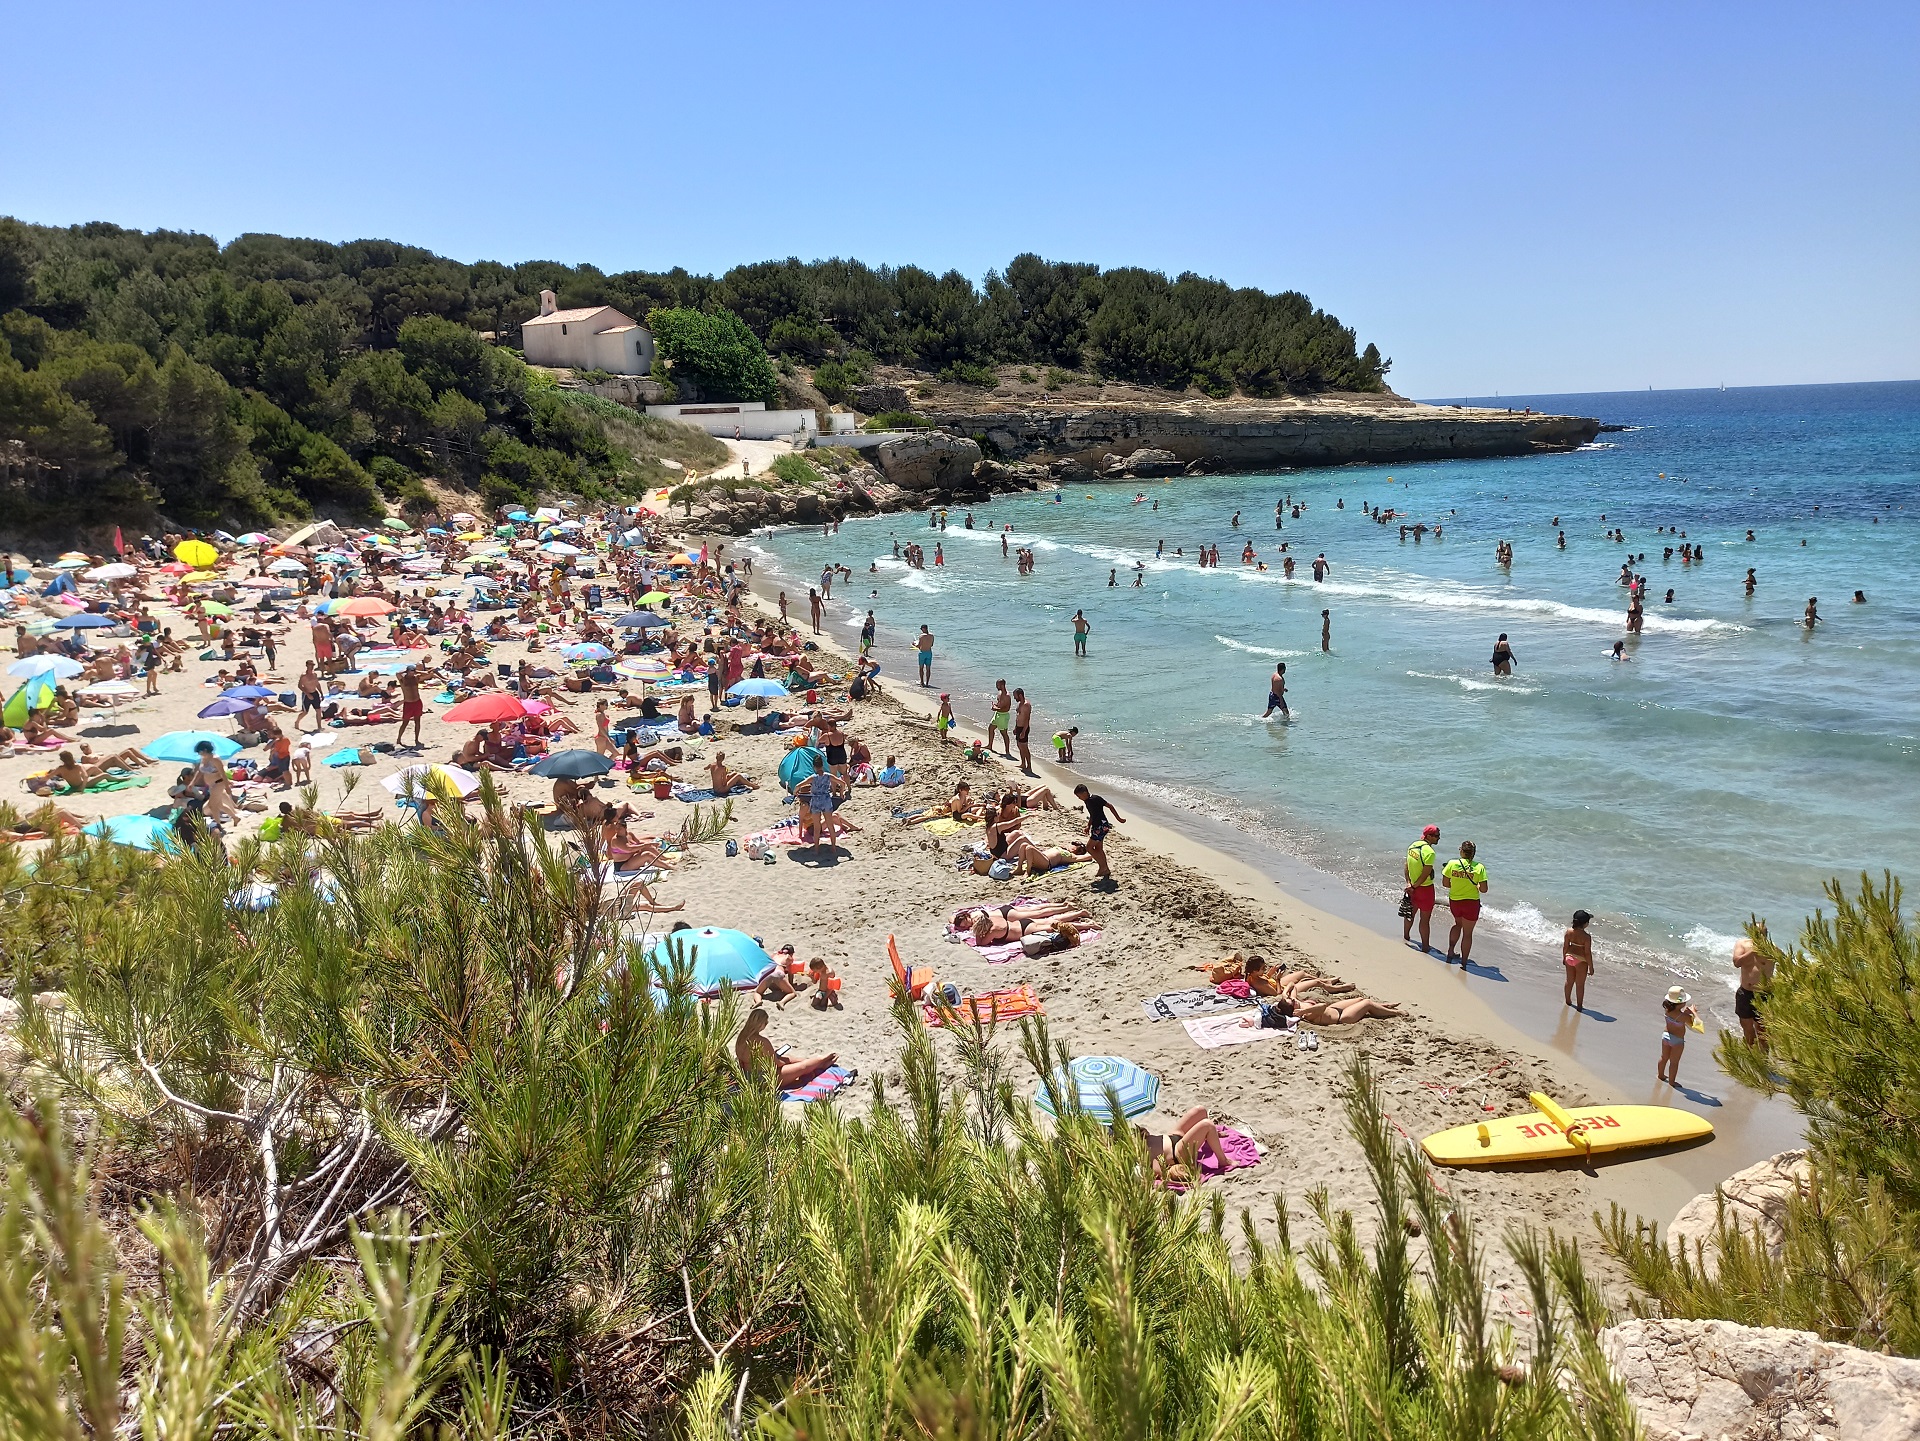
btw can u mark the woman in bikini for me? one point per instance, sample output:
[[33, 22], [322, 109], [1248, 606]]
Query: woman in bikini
[[996, 925], [1332, 1013], [1175, 1157], [756, 1054]]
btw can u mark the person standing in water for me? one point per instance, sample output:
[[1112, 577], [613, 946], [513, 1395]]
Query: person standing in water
[[1576, 959], [1756, 974], [1466, 881], [1326, 631], [1277, 692], [1502, 656], [1081, 625], [923, 647]]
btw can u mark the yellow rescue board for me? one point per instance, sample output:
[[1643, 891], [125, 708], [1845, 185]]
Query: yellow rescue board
[[1550, 1132]]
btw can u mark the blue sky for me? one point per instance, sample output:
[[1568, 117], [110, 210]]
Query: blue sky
[[1525, 198]]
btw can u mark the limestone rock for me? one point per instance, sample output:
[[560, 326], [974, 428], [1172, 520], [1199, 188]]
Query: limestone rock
[[1709, 1380], [1071, 472], [1755, 1197], [928, 461], [1145, 462], [873, 399], [1005, 475]]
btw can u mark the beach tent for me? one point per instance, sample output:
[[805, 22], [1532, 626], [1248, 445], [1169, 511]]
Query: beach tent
[[799, 764], [1089, 1078]]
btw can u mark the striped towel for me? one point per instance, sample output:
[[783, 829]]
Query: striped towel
[[1178, 1005], [989, 1006], [823, 1085]]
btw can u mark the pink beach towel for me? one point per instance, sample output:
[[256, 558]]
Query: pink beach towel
[[1241, 1149], [1211, 1032]]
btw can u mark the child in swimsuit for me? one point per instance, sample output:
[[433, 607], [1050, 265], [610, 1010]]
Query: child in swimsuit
[[1576, 956], [1680, 1017]]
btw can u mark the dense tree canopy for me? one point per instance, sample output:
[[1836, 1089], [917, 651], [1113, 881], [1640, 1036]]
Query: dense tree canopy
[[161, 370]]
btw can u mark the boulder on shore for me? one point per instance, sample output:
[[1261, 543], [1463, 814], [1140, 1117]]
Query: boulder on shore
[[1715, 1381], [928, 461], [1756, 1200], [1147, 462]]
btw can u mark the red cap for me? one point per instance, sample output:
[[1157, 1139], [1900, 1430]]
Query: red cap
[[1431, 833]]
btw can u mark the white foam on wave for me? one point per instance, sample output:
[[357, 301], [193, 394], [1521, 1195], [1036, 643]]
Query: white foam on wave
[[1527, 921], [1231, 644], [1467, 684], [1709, 942], [919, 580], [1436, 595]]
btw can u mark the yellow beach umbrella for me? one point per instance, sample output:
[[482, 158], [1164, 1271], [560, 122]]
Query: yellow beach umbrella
[[200, 577], [196, 553]]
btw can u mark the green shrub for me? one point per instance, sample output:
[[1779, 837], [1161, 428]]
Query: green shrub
[[1026, 376], [963, 372], [795, 471], [1058, 379], [717, 351], [836, 378], [898, 420]]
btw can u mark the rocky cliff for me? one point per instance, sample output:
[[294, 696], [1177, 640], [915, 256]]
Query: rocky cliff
[[1241, 436]]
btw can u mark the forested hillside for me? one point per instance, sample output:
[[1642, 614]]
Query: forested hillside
[[160, 371]]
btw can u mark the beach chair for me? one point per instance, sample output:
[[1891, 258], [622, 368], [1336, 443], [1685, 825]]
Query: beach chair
[[914, 982]]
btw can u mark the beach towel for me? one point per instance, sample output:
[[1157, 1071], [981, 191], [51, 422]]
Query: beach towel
[[1236, 988], [1177, 1005], [1242, 1150], [1211, 1032], [948, 826], [1011, 951], [343, 758], [786, 833], [833, 1079], [988, 1006]]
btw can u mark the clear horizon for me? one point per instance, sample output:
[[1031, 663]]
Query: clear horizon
[[1504, 200]]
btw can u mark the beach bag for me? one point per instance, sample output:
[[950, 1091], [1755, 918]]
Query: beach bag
[[1406, 904], [758, 849], [1000, 870]]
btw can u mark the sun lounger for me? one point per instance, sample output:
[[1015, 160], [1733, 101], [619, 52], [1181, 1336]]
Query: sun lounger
[[914, 982]]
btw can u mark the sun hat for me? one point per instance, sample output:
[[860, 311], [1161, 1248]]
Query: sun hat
[[1678, 997]]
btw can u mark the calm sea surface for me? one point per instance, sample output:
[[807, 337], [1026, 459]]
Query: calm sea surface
[[1730, 767]]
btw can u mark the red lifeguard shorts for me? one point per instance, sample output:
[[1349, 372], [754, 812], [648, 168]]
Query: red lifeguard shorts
[[1422, 898]]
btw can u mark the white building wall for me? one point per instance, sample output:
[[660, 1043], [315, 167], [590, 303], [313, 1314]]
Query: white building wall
[[585, 348], [746, 419]]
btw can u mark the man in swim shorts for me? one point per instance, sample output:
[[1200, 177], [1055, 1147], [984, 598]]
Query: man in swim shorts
[[1756, 974], [1420, 862], [1466, 881], [1081, 625], [1277, 692], [1001, 720], [924, 645], [1101, 818], [1023, 730]]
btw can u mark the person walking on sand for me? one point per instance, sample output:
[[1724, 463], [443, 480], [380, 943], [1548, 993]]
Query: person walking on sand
[[1081, 625], [924, 649], [1277, 692], [1576, 959], [1417, 900], [1756, 976], [1466, 881], [309, 687], [943, 718], [783, 608], [1001, 720], [1023, 730], [411, 707], [1677, 1018], [1101, 819], [813, 602]]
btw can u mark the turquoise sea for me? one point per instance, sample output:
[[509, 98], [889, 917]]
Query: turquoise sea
[[1729, 768]]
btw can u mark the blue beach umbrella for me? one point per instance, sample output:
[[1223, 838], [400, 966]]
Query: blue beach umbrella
[[758, 686], [799, 764], [642, 620], [246, 692], [85, 620], [577, 765], [225, 705], [1090, 1077], [179, 746], [719, 958], [143, 833]]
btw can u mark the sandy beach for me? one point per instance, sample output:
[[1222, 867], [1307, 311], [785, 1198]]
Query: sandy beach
[[1176, 903]]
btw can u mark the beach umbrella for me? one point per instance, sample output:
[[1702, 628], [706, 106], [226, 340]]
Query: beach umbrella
[[215, 608], [634, 619], [110, 688], [519, 515], [718, 958], [53, 667], [70, 562], [246, 692], [569, 525], [196, 553], [287, 565], [416, 779], [200, 577], [586, 650], [546, 512], [799, 764], [174, 567], [652, 597], [261, 582], [560, 547], [75, 555], [255, 537], [117, 570], [1090, 1077], [225, 705], [576, 765], [484, 709], [35, 692], [761, 686], [394, 523], [143, 833], [361, 605], [85, 620], [180, 746]]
